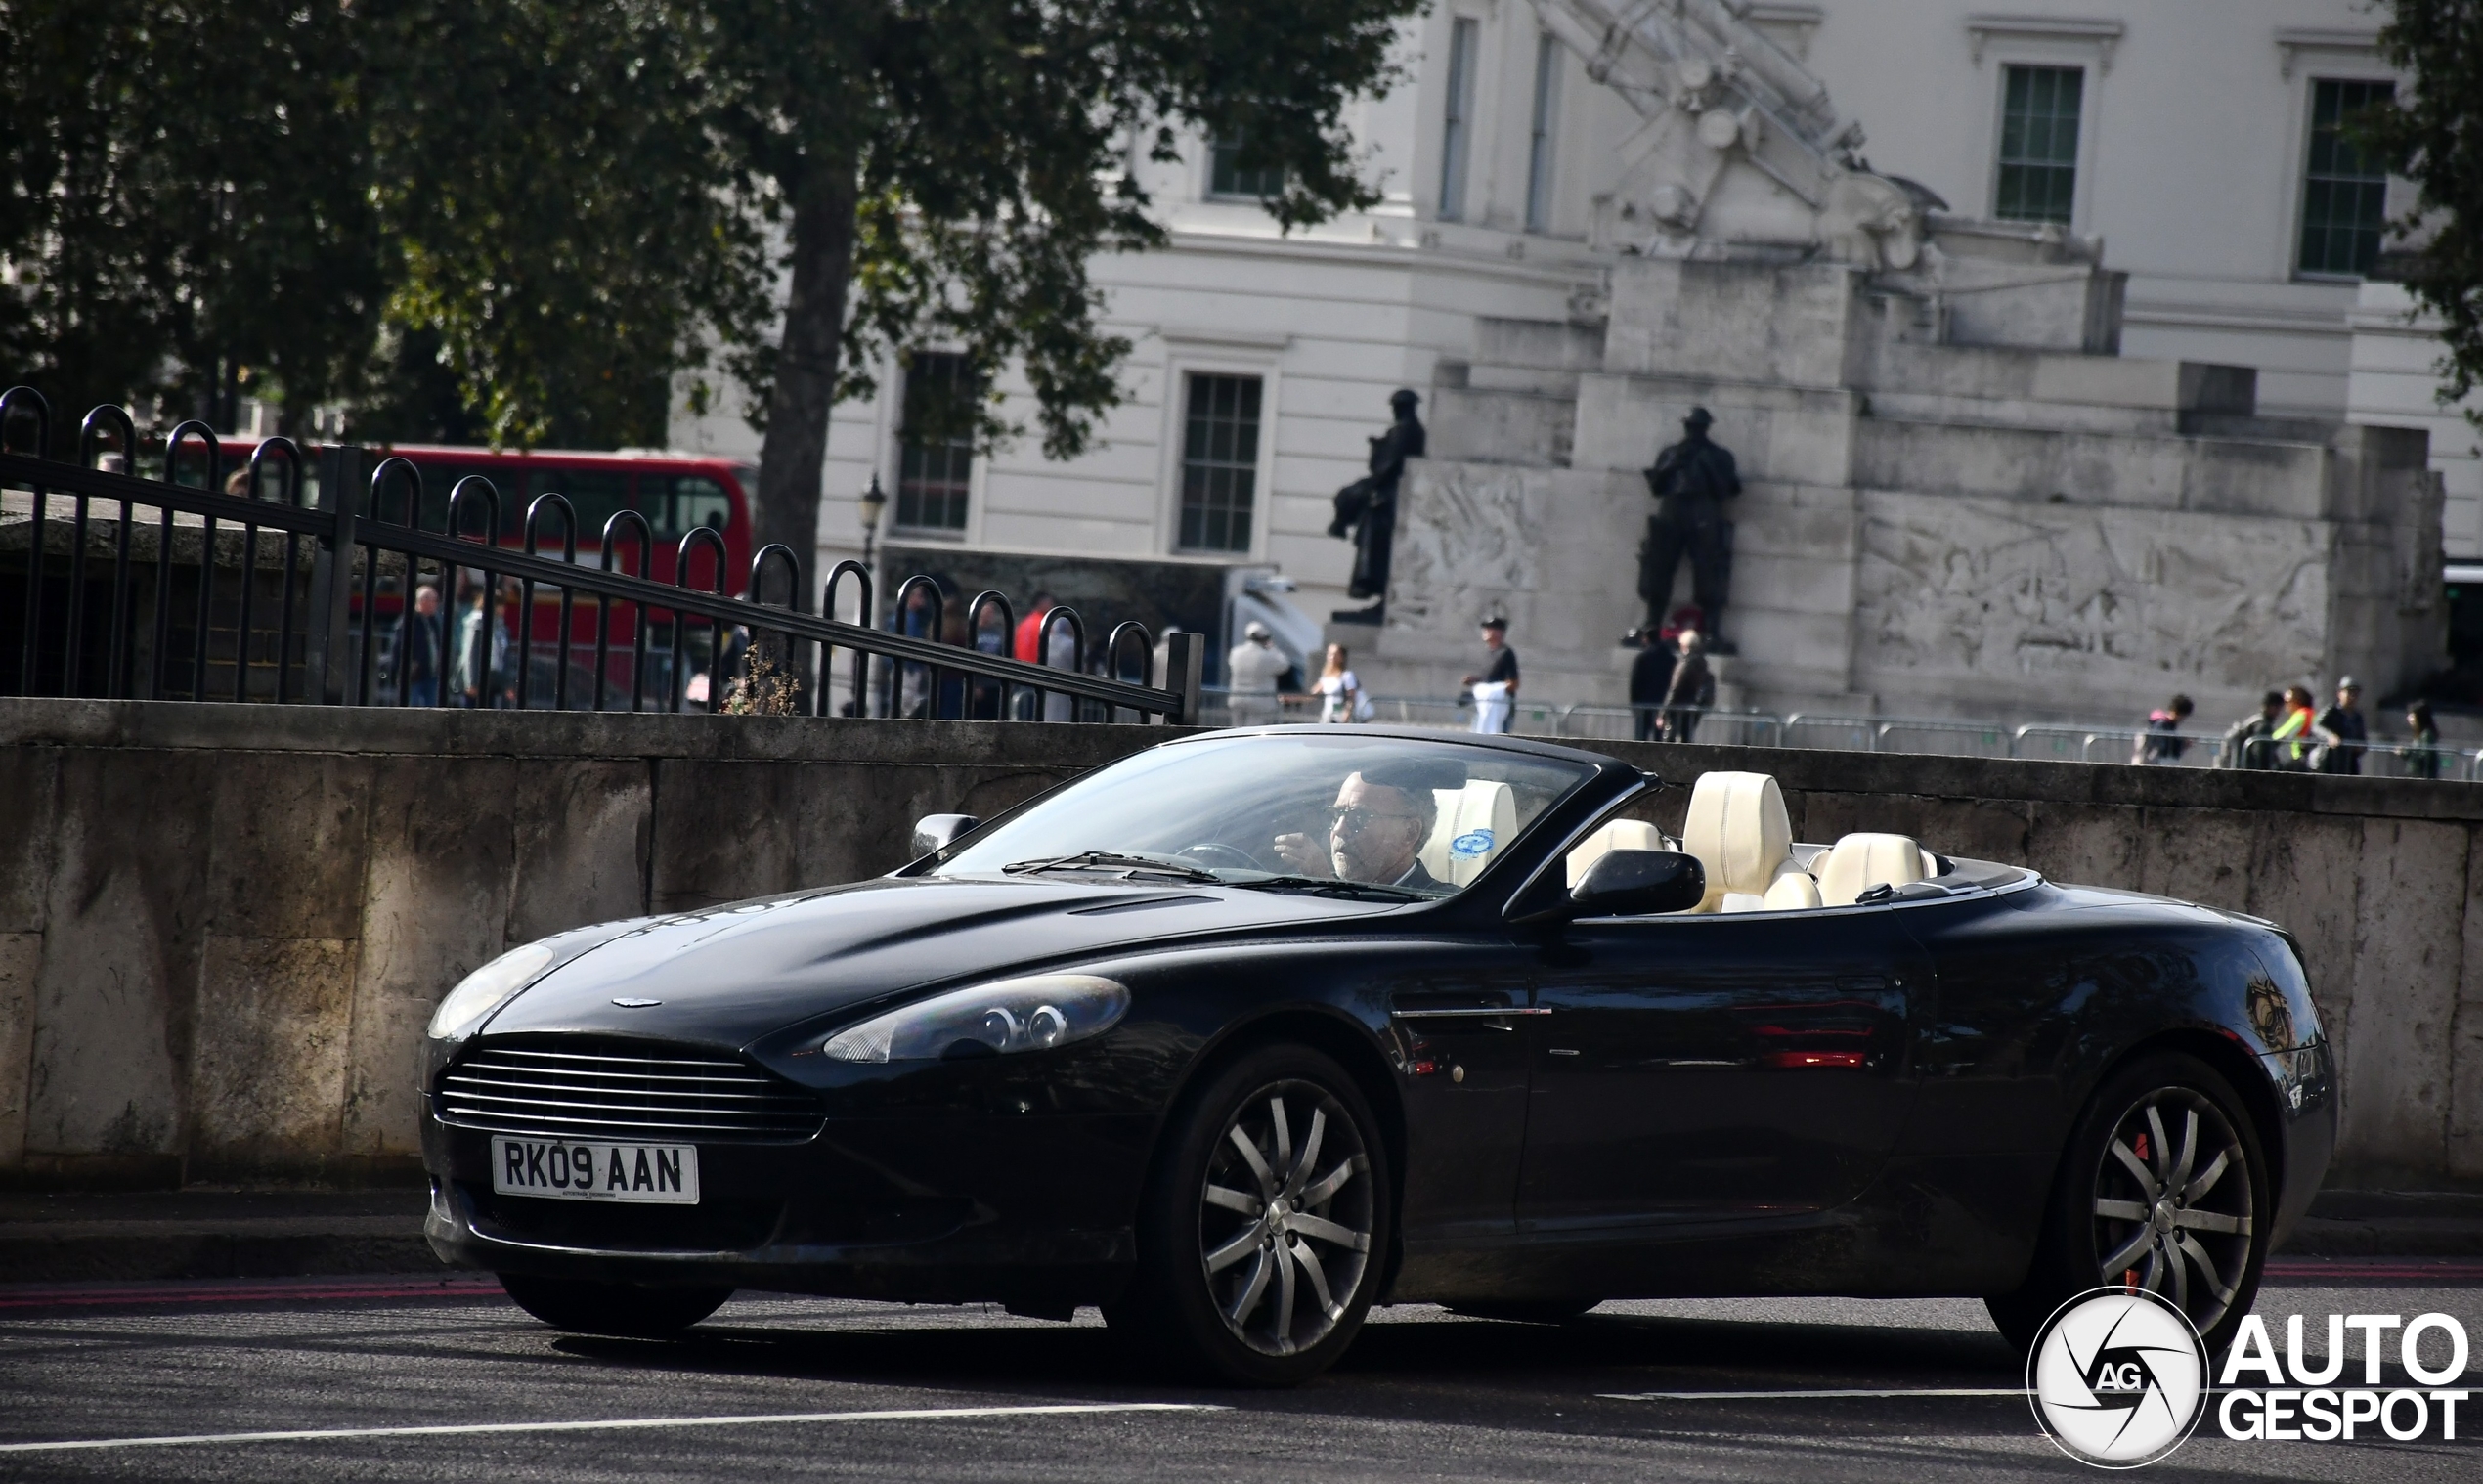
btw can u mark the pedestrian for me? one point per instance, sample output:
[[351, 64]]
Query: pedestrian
[[1495, 689], [2343, 731], [2295, 734], [1252, 671], [419, 647], [481, 674], [1339, 690], [1692, 688], [2425, 760], [2162, 742], [2246, 742], [1651, 676]]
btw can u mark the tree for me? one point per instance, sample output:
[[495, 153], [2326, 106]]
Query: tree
[[945, 169], [2433, 134], [185, 212]]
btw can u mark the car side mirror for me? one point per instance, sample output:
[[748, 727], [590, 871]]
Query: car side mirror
[[935, 832], [1638, 883]]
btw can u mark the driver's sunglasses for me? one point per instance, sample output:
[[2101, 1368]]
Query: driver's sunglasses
[[1355, 821]]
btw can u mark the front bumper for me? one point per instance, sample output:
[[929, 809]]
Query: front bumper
[[1034, 1210]]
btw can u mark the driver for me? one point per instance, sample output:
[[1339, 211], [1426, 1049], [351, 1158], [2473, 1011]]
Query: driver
[[1375, 831]]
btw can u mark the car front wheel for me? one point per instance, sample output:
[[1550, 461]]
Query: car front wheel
[[2164, 1188], [1265, 1225], [634, 1311]]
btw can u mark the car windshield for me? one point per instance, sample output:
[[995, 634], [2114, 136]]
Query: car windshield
[[1387, 818]]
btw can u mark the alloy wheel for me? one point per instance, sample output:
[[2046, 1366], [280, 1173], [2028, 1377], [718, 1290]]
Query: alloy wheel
[[2173, 1206], [1285, 1218]]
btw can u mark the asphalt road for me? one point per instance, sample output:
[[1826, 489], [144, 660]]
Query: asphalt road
[[157, 1378]]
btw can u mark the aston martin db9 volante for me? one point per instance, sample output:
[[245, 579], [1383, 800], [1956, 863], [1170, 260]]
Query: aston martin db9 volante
[[1245, 1032]]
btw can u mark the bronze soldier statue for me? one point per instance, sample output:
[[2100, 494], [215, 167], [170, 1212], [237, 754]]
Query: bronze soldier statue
[[1367, 511], [1690, 481]]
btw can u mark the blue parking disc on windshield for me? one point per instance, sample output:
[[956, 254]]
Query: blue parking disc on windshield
[[1473, 843]]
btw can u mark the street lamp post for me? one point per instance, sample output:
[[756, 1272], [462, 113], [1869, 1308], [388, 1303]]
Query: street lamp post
[[874, 506]]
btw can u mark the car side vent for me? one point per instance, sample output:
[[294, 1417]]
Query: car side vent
[[561, 1088]]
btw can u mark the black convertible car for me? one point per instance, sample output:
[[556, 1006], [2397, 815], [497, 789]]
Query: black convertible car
[[1244, 1033]]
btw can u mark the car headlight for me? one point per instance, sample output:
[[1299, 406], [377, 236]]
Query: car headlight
[[1010, 1015], [488, 988]]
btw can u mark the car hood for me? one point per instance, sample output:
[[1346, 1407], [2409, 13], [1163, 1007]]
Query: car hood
[[731, 974]]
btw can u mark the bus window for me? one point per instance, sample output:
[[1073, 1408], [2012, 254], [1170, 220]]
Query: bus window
[[594, 494], [675, 503], [438, 479]]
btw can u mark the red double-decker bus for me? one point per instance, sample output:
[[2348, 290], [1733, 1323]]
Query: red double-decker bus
[[677, 494], [674, 493]]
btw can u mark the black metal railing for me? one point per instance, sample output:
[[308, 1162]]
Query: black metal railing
[[255, 592]]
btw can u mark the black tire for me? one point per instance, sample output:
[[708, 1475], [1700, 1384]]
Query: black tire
[[1238, 1249], [2165, 1185], [1527, 1311], [634, 1311]]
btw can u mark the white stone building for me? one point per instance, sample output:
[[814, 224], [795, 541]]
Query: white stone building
[[2185, 134]]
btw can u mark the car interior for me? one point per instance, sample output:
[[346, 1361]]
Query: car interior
[[1739, 830]]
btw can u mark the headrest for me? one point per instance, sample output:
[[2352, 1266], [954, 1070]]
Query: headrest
[[1615, 835], [1857, 863], [1738, 829], [1476, 823]]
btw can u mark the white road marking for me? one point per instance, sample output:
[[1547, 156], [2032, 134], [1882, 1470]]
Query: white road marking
[[1802, 1396], [323, 1434]]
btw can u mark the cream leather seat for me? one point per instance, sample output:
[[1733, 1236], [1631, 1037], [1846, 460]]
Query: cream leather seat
[[1857, 863], [1614, 835], [1738, 829], [1475, 822]]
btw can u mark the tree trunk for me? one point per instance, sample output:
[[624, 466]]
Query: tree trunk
[[793, 458]]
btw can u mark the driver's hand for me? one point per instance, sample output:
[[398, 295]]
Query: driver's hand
[[1307, 856]]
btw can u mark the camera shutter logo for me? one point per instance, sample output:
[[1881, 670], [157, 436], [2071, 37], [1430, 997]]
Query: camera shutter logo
[[2118, 1379]]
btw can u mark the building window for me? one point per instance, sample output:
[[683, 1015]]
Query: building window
[[2344, 191], [1219, 464], [1539, 144], [2038, 144], [1227, 177], [936, 446], [1463, 39]]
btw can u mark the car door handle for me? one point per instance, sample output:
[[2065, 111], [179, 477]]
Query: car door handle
[[1433, 1014]]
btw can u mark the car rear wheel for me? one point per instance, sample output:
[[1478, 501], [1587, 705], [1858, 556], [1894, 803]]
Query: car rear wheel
[[1265, 1224], [637, 1311], [2164, 1188]]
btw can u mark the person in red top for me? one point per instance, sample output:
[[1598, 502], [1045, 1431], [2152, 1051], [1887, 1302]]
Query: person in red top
[[1030, 628]]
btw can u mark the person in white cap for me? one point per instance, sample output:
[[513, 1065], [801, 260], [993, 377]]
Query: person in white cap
[[1250, 674]]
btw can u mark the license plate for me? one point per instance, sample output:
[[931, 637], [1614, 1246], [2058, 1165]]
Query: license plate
[[665, 1174]]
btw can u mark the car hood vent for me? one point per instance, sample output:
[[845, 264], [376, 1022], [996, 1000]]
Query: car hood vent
[[582, 1088]]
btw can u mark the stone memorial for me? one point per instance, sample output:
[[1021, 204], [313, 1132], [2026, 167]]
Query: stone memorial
[[1957, 498]]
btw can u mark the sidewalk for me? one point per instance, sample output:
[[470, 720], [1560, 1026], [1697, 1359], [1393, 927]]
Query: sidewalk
[[168, 1235], [80, 1237]]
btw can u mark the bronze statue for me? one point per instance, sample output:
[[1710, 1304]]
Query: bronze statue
[[1690, 481], [1367, 511]]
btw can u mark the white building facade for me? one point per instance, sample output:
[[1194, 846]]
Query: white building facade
[[2196, 138]]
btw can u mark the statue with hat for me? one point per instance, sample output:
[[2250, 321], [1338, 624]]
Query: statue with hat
[[1367, 509], [1690, 481]]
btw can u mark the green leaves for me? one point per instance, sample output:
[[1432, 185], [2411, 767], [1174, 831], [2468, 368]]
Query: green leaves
[[526, 220], [2433, 134]]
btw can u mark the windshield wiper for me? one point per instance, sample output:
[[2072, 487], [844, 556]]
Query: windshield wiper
[[1105, 860], [1331, 885]]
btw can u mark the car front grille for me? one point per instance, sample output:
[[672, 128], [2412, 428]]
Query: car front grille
[[576, 1088]]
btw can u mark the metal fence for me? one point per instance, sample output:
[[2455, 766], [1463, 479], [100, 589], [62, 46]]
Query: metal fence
[[2048, 741], [119, 586]]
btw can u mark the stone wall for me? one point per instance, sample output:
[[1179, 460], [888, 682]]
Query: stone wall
[[222, 928]]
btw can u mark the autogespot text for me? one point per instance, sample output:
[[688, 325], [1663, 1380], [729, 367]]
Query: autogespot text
[[2300, 1402]]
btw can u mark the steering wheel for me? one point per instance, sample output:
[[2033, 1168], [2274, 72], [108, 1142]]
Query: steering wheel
[[1212, 854]]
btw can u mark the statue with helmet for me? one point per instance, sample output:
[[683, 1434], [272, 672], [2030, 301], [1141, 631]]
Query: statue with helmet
[[1367, 509], [1690, 481]]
